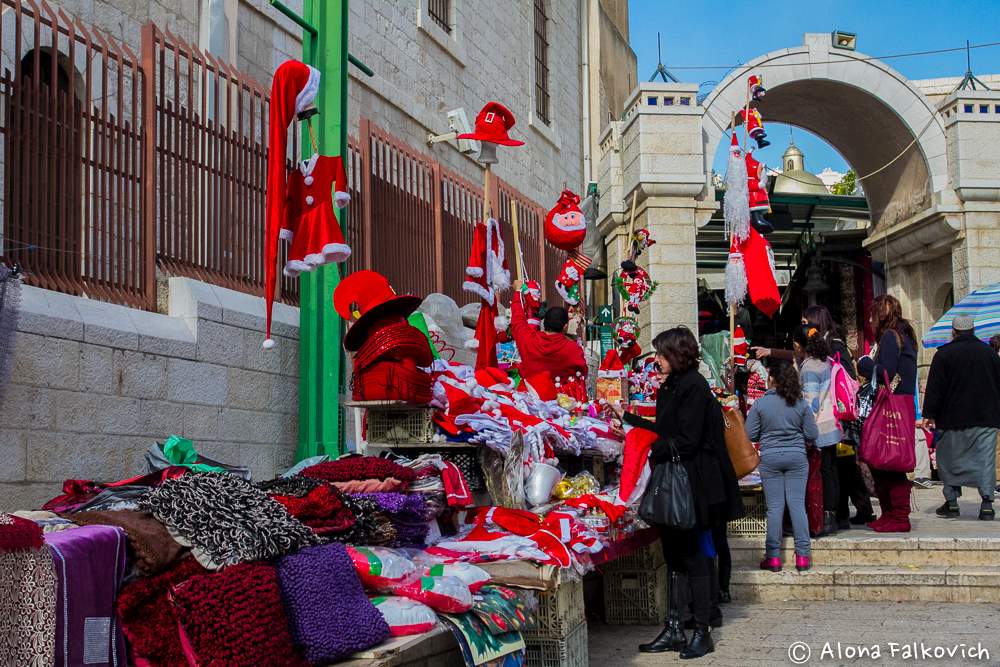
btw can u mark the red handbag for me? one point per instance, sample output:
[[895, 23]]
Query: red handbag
[[888, 437]]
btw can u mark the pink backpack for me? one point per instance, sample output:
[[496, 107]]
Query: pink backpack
[[845, 391]]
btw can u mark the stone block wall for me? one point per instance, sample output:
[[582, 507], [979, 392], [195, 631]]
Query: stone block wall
[[94, 384]]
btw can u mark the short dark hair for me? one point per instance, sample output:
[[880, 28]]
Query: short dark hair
[[812, 341], [556, 319], [819, 316], [679, 347], [786, 382]]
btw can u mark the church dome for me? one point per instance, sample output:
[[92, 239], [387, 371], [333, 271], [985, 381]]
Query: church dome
[[794, 179]]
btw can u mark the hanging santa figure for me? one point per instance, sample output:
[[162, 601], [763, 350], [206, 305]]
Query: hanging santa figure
[[634, 285], [760, 203], [755, 125], [641, 240], [300, 206], [627, 339], [531, 297], [756, 85], [568, 280], [565, 226]]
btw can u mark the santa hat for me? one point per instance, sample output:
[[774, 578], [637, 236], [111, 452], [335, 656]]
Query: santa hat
[[293, 88], [493, 378], [542, 386], [611, 366], [740, 347], [565, 226], [635, 465]]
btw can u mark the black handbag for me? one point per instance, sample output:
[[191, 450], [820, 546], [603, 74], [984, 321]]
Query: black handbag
[[667, 500]]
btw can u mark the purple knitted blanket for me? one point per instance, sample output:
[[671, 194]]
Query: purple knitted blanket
[[328, 611]]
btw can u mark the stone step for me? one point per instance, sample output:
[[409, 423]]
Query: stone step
[[865, 549], [870, 584]]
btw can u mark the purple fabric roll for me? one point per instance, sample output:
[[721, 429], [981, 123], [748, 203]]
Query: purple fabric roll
[[412, 505], [328, 611], [90, 565]]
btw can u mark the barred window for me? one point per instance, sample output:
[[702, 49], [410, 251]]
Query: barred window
[[541, 62], [440, 13]]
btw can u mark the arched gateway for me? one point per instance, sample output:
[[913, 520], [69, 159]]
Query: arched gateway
[[934, 198]]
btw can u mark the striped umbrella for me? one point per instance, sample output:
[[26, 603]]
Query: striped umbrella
[[983, 306]]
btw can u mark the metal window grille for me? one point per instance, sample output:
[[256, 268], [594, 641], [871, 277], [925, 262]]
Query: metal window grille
[[541, 62], [440, 13]]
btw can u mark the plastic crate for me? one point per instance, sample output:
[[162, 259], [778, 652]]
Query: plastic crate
[[559, 611], [637, 597], [395, 425], [646, 559], [570, 651], [754, 524]]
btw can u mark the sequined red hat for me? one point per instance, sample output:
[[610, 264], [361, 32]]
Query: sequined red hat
[[366, 298]]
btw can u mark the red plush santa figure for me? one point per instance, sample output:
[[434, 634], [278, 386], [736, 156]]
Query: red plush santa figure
[[301, 210], [740, 347], [756, 85], [634, 285], [758, 260], [568, 280], [755, 126], [760, 203], [627, 338], [486, 275], [531, 297], [565, 226]]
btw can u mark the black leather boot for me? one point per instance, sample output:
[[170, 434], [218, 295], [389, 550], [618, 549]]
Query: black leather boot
[[672, 637], [829, 523], [701, 644], [760, 223]]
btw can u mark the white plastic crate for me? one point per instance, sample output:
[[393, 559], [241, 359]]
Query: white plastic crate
[[648, 558], [399, 425], [571, 651], [754, 523], [635, 597], [559, 611]]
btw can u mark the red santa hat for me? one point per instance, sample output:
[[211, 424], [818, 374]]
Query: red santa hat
[[494, 378], [611, 366], [565, 226], [293, 89], [542, 386]]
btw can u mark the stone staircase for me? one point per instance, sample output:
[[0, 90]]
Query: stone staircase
[[940, 561]]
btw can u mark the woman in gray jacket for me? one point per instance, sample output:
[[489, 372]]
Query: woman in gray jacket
[[783, 423]]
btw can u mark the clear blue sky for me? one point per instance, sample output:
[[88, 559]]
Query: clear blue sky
[[711, 32]]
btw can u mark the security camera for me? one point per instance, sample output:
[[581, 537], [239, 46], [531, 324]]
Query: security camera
[[458, 123]]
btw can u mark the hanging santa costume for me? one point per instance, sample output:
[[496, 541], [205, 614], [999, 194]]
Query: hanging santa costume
[[759, 263], [301, 210], [487, 275]]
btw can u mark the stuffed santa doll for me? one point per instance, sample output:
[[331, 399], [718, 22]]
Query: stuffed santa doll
[[568, 280], [299, 209], [641, 240], [760, 203], [756, 85], [740, 348], [531, 298], [755, 126], [627, 339]]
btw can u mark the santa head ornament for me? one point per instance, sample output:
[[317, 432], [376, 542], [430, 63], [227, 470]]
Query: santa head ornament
[[493, 123], [565, 226], [293, 89]]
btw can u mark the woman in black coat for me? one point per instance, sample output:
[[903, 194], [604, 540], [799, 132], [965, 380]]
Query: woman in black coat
[[689, 417]]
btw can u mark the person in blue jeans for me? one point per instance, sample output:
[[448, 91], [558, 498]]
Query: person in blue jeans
[[784, 425]]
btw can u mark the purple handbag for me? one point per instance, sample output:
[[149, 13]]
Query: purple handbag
[[888, 435]]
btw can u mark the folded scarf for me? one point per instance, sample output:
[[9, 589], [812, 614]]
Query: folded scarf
[[289, 486], [322, 509], [226, 520], [412, 505], [153, 547], [370, 485], [372, 526], [359, 467], [318, 585], [148, 618], [236, 618]]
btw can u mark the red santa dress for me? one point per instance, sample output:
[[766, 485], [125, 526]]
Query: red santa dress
[[310, 222], [757, 185]]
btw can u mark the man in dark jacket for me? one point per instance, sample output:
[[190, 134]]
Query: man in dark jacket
[[962, 403]]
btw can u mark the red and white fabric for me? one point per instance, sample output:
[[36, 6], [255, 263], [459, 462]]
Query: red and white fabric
[[635, 465], [762, 286], [757, 185], [486, 275], [310, 224]]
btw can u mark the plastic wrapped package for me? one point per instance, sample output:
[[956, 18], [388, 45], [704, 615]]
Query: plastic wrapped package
[[448, 595], [473, 577], [381, 569], [405, 616]]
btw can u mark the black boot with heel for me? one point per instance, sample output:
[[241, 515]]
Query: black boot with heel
[[672, 637]]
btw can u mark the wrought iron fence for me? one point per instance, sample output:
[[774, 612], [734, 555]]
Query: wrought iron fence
[[117, 166]]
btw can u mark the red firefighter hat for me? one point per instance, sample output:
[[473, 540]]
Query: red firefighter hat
[[365, 297], [492, 124], [293, 89]]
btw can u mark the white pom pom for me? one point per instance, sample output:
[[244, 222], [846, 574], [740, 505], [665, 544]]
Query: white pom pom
[[268, 343]]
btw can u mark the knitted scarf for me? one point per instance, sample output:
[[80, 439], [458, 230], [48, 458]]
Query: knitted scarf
[[151, 544], [359, 467], [226, 520]]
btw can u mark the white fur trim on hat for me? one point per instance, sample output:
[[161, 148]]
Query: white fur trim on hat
[[268, 343], [474, 271], [341, 199], [309, 92], [286, 235]]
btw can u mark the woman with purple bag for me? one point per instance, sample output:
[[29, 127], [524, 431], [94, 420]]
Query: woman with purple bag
[[892, 367]]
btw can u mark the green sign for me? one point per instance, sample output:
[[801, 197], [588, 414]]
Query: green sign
[[605, 314], [607, 338]]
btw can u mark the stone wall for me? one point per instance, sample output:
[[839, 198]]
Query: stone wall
[[94, 384]]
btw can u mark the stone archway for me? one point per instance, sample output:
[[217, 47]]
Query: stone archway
[[861, 106]]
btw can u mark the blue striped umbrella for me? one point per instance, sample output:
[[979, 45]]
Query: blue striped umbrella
[[983, 306]]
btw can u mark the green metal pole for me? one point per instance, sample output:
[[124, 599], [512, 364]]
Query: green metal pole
[[320, 328]]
